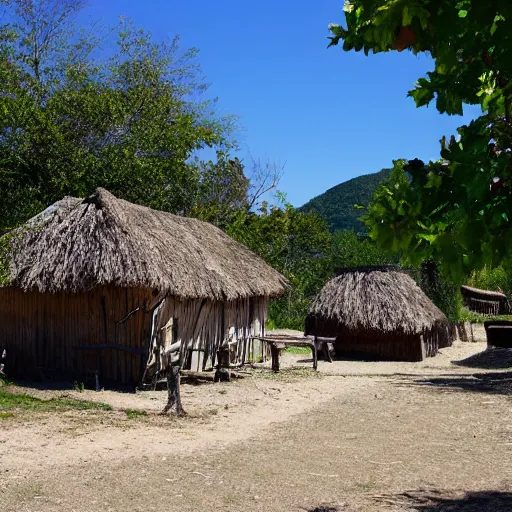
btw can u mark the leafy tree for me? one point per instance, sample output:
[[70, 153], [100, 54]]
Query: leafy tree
[[355, 250], [69, 122], [495, 279], [222, 192], [456, 210], [394, 197], [226, 193], [296, 244]]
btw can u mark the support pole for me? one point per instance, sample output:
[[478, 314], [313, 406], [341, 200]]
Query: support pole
[[314, 350], [222, 374], [173, 391], [274, 351]]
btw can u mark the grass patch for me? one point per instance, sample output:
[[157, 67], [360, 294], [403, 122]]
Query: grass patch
[[477, 318], [5, 415], [22, 402], [298, 350], [288, 374], [134, 413], [4, 381]]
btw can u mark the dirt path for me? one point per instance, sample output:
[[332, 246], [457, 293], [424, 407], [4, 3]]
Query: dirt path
[[218, 416], [357, 443]]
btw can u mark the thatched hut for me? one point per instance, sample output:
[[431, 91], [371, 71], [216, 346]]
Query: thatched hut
[[378, 313], [484, 301], [104, 286]]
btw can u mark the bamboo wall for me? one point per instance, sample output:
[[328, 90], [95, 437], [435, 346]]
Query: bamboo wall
[[203, 326], [484, 307], [108, 330], [56, 334], [375, 346]]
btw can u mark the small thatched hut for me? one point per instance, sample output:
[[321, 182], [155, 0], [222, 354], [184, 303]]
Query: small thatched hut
[[378, 313], [105, 286], [484, 301]]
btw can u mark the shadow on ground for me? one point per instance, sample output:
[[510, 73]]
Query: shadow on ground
[[68, 385], [435, 501], [492, 383], [490, 359], [325, 508]]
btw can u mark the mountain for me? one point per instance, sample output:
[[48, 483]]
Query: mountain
[[337, 204]]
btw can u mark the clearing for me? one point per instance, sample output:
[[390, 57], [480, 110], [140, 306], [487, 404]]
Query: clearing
[[434, 436]]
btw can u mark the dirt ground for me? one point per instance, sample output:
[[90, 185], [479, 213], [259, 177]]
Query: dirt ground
[[434, 436]]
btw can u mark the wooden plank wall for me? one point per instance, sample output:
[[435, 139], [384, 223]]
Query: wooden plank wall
[[377, 345], [202, 327], [54, 335], [43, 333], [400, 348], [394, 346]]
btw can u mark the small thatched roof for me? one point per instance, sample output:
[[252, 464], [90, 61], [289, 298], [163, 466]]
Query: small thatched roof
[[477, 293], [375, 298], [484, 301], [76, 245]]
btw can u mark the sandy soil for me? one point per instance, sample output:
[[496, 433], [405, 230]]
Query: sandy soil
[[356, 436], [450, 359]]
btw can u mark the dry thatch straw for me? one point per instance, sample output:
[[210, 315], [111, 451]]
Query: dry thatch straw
[[377, 299], [76, 245]]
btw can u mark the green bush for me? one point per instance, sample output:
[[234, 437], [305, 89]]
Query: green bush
[[495, 279], [441, 290]]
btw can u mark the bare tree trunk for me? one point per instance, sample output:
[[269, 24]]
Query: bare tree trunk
[[173, 391]]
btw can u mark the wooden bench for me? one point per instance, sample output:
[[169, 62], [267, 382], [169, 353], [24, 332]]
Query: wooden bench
[[279, 342]]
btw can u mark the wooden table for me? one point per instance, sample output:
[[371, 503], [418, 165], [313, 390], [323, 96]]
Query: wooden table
[[280, 342]]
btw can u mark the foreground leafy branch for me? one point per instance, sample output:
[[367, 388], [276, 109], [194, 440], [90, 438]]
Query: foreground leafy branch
[[456, 210]]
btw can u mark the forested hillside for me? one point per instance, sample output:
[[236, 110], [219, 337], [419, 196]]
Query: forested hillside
[[337, 205]]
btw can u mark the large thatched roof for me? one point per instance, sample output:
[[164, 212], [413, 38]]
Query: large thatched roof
[[375, 298], [77, 244]]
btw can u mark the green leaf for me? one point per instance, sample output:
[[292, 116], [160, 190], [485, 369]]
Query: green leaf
[[429, 238], [422, 96], [434, 180], [423, 20], [406, 17], [463, 13]]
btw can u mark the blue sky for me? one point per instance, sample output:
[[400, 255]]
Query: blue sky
[[328, 115]]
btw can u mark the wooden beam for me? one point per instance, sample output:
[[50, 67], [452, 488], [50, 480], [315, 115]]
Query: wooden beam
[[190, 374], [114, 346]]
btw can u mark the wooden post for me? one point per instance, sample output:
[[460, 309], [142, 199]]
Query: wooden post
[[423, 347], [314, 352], [275, 357], [222, 373], [173, 391], [326, 349], [463, 335]]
